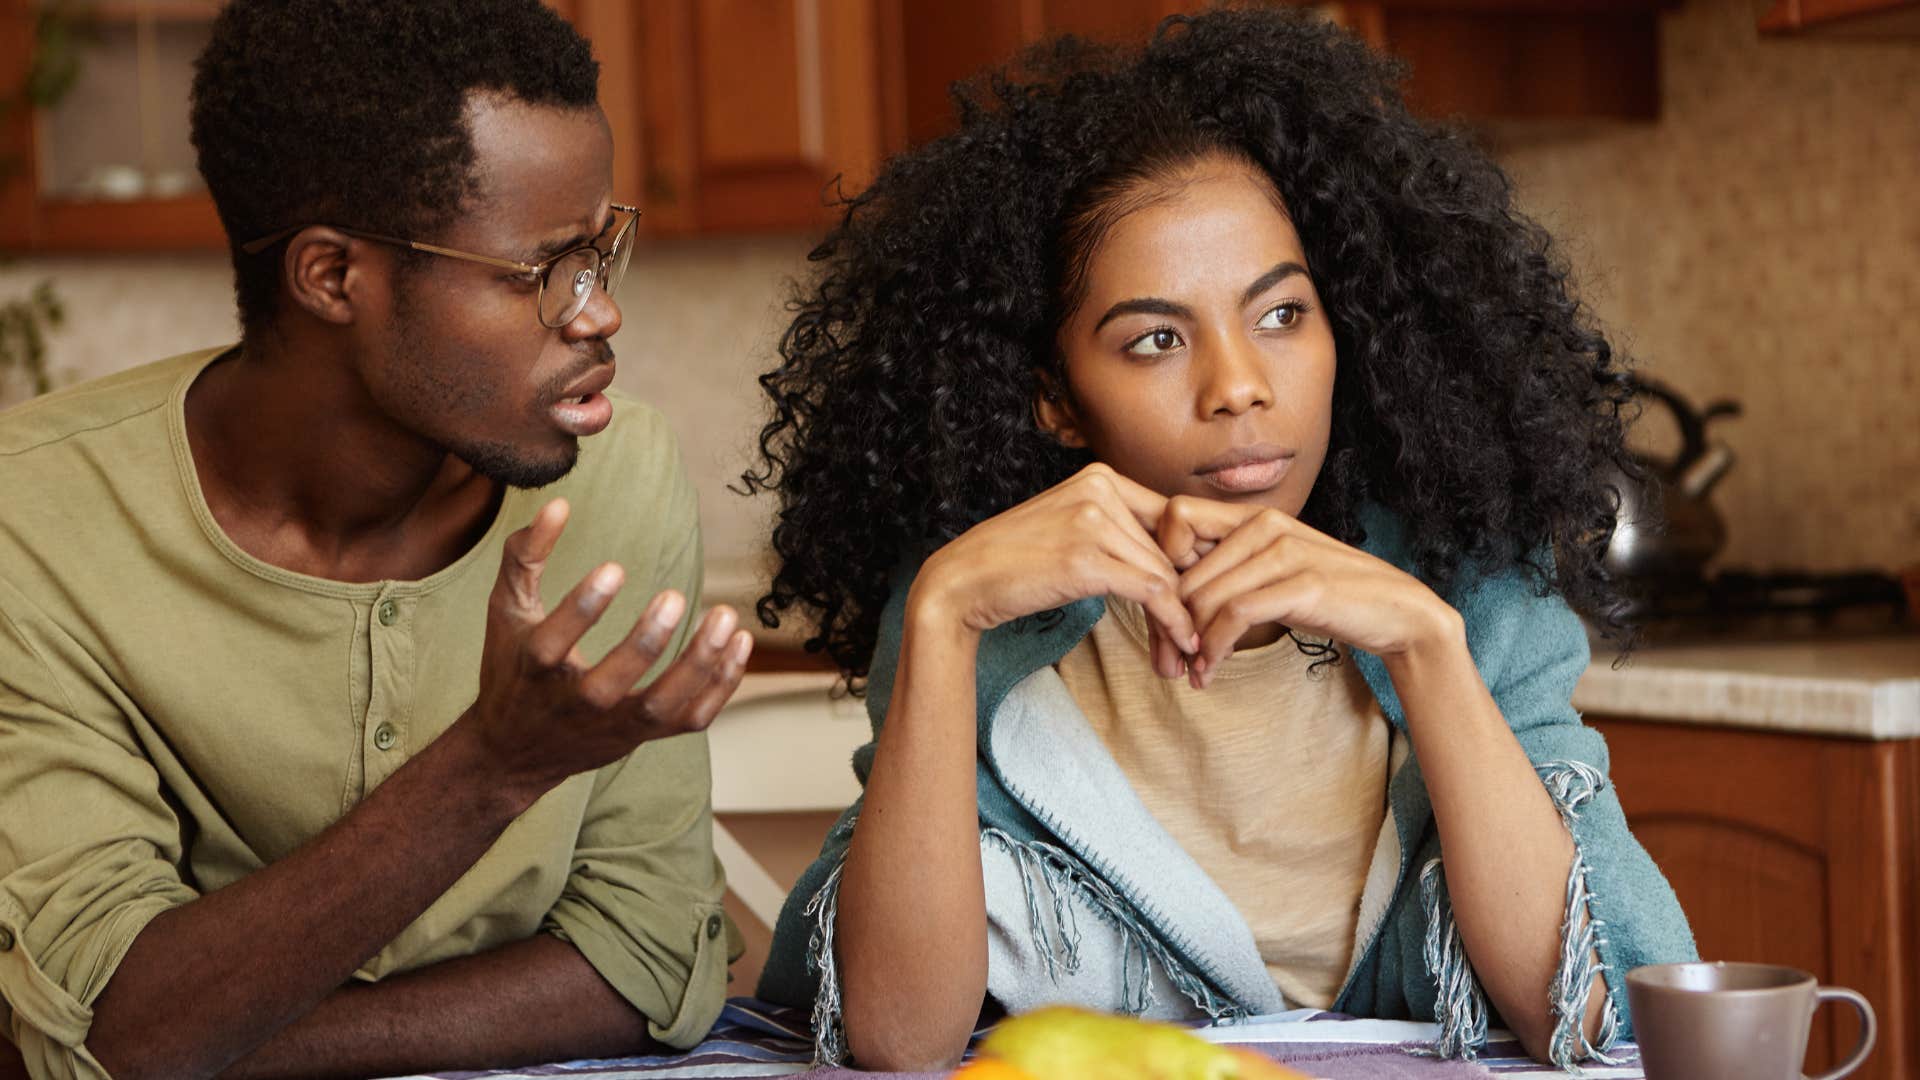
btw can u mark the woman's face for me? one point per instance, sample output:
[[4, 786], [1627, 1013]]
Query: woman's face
[[1200, 361]]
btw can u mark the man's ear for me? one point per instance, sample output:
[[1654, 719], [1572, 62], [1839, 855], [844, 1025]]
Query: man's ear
[[1053, 411], [324, 269]]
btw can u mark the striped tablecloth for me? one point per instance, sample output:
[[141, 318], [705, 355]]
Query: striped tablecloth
[[754, 1039]]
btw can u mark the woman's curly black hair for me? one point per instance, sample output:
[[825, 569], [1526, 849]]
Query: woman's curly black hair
[[1473, 397]]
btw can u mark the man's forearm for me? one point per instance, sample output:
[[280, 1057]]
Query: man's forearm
[[206, 983], [532, 1001]]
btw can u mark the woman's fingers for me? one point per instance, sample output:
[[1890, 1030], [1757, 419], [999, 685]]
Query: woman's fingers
[[1112, 520], [1263, 535], [1189, 527], [1141, 503], [1158, 593], [1169, 662], [1290, 600], [1249, 576], [1166, 611]]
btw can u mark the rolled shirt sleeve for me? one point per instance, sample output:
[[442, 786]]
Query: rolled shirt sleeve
[[88, 856], [642, 903], [643, 899]]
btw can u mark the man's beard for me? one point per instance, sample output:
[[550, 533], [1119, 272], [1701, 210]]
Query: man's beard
[[504, 463]]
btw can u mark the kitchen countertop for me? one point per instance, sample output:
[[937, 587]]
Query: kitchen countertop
[[1865, 688]]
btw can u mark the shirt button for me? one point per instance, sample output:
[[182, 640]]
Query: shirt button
[[383, 736], [389, 611], [6, 939], [713, 927]]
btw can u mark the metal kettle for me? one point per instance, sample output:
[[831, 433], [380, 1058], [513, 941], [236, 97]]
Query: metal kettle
[[1668, 529]]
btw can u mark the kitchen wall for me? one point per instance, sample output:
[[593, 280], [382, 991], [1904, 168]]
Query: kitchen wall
[[1761, 242]]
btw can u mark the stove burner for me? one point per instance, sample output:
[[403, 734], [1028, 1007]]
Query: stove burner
[[1748, 604]]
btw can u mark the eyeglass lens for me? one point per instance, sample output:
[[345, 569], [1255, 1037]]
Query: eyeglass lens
[[571, 279]]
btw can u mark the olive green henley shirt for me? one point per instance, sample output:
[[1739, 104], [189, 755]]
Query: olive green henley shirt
[[176, 714]]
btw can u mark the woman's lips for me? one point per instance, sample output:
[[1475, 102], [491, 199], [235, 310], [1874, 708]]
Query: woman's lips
[[1247, 470]]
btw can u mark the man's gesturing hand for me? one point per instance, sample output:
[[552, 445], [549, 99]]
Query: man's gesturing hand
[[544, 713]]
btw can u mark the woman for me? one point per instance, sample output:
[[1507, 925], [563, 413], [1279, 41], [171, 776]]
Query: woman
[[1199, 458]]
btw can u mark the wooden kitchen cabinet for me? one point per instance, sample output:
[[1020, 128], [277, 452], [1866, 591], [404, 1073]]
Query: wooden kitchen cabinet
[[109, 169], [728, 116], [1842, 16], [1482, 60], [741, 115], [753, 115], [1791, 849]]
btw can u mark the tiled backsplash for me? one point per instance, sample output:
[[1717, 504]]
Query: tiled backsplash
[[1761, 242]]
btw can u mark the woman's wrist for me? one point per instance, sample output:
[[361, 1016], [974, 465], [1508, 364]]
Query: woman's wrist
[[1436, 638], [935, 617]]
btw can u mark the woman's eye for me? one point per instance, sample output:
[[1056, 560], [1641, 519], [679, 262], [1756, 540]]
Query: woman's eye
[[1155, 342], [1284, 317]]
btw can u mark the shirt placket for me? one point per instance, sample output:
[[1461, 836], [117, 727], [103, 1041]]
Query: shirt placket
[[386, 734]]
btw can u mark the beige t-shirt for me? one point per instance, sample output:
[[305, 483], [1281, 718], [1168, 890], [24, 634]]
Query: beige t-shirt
[[176, 714], [1274, 779]]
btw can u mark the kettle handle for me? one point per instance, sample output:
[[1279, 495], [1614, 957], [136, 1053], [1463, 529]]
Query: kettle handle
[[1693, 439], [1693, 425]]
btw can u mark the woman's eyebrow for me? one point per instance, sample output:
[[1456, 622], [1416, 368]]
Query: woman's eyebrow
[[1153, 305], [1145, 305], [1273, 277]]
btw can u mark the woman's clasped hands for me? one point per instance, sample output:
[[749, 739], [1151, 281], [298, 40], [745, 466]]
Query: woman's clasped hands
[[1208, 573]]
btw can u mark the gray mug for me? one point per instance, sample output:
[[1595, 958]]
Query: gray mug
[[1721, 1021]]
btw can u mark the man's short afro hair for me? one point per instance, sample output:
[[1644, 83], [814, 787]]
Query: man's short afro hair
[[351, 112]]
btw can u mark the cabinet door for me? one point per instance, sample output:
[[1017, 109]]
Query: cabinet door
[[943, 42], [748, 111], [1896, 16], [106, 167], [1790, 849]]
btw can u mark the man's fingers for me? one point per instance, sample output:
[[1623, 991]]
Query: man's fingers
[[551, 641], [696, 666], [613, 678], [699, 712], [524, 556]]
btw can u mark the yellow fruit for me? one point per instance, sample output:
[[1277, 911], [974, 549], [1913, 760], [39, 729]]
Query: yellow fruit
[[1066, 1043], [988, 1069]]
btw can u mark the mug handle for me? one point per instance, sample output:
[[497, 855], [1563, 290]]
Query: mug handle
[[1867, 1027]]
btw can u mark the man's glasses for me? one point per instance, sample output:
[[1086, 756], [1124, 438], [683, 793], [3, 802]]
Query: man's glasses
[[566, 280]]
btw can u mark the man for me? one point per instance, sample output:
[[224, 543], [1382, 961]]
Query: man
[[327, 746]]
